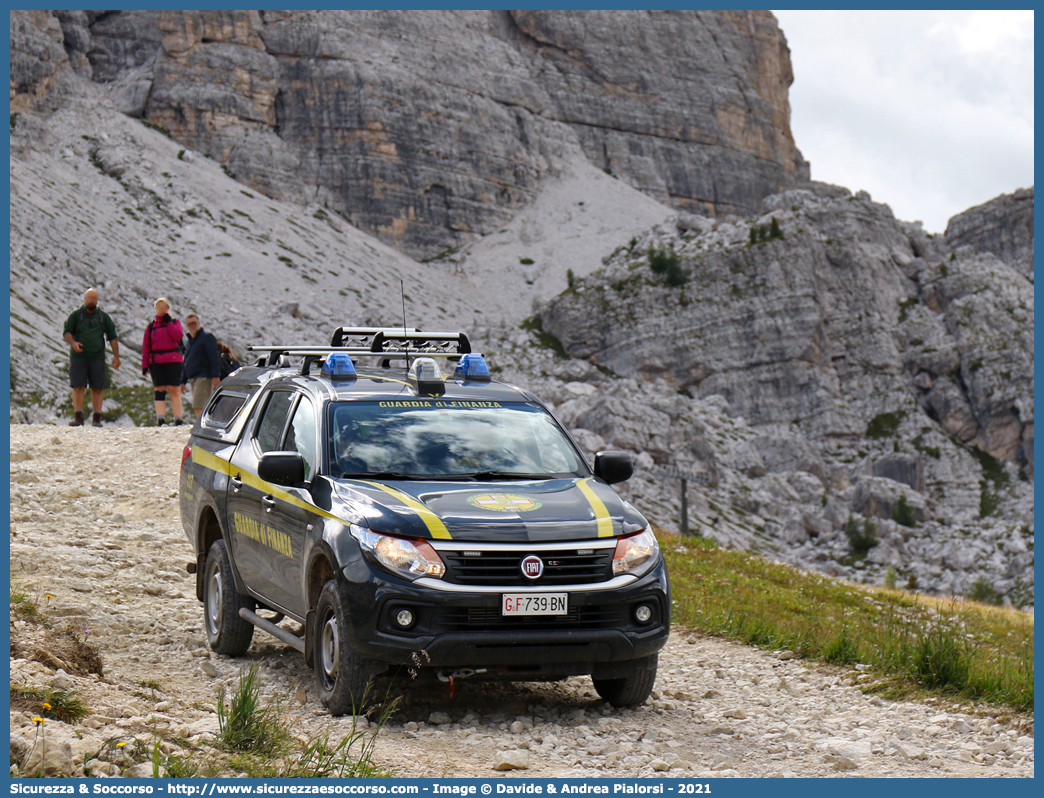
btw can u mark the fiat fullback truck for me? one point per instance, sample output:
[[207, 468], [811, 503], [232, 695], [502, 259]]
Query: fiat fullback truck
[[373, 512]]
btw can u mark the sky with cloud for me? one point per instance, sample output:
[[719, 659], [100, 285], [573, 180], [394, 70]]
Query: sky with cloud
[[929, 111]]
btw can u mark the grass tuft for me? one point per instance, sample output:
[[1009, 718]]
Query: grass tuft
[[245, 724], [667, 263], [535, 324], [884, 425], [23, 605], [263, 747], [941, 657], [984, 592], [861, 538], [842, 649], [902, 512], [64, 705]]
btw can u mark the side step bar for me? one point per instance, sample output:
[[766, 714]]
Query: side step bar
[[278, 632]]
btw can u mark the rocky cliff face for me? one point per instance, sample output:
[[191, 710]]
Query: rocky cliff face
[[868, 373], [841, 315], [40, 68], [429, 128], [1003, 226]]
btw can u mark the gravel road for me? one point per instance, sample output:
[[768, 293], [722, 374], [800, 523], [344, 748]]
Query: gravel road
[[96, 540]]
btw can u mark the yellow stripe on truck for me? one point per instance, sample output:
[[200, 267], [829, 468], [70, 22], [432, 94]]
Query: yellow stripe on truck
[[431, 521], [605, 521], [223, 466], [211, 461]]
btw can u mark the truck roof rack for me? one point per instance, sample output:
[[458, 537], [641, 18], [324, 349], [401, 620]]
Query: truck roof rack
[[395, 340], [437, 344], [360, 337], [387, 343]]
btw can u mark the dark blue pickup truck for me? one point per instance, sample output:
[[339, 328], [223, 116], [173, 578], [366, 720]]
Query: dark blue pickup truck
[[389, 515]]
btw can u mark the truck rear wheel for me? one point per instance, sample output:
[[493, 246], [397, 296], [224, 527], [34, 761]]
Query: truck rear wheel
[[227, 633], [632, 689], [340, 673]]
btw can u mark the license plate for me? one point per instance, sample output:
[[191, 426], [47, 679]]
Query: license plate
[[534, 604]]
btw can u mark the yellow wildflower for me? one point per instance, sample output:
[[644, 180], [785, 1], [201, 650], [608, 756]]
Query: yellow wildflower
[[46, 706], [120, 744], [38, 721]]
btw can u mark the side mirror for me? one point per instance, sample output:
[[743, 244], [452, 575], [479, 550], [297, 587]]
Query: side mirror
[[613, 467], [282, 468]]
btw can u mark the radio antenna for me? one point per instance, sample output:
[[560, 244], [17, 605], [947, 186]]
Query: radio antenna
[[402, 293]]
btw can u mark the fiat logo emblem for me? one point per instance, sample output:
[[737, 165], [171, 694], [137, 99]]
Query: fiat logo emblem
[[532, 567]]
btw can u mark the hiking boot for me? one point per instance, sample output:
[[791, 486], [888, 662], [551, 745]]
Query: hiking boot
[[97, 420], [161, 421], [178, 422], [78, 421]]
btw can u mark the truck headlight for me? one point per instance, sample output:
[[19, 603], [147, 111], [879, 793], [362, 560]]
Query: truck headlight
[[410, 558], [635, 554]]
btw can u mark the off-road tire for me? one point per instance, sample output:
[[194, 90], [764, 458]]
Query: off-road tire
[[631, 690], [227, 633], [340, 673]]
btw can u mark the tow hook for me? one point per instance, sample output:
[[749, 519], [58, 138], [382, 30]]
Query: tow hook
[[460, 673]]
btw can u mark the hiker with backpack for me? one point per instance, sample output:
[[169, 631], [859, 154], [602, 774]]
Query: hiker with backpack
[[85, 331], [229, 362], [202, 367], [161, 357]]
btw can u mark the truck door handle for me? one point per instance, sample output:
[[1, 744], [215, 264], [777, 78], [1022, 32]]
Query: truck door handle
[[269, 503], [237, 483]]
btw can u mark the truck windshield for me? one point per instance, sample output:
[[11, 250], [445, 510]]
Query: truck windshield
[[448, 438]]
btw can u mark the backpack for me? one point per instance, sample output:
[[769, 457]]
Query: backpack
[[83, 317], [181, 343], [228, 365]]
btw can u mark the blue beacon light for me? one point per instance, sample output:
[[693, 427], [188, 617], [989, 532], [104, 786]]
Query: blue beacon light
[[338, 366], [472, 366]]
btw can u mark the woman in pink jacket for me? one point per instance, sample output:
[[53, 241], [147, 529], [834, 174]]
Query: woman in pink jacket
[[161, 357]]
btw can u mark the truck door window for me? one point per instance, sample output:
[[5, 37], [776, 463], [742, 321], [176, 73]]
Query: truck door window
[[270, 429], [301, 435], [223, 410]]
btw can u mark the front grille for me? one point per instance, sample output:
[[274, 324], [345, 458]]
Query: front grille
[[482, 619], [503, 568]]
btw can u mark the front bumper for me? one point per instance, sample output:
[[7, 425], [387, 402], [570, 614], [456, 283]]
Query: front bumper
[[463, 628]]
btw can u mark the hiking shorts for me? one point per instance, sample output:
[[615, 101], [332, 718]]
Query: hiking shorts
[[84, 372], [164, 374], [202, 388]]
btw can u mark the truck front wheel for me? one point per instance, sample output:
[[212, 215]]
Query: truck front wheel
[[632, 689], [340, 673]]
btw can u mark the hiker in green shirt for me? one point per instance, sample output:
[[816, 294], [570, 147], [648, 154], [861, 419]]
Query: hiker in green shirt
[[85, 331]]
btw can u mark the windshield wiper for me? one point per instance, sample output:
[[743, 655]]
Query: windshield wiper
[[382, 475], [480, 475], [476, 476]]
